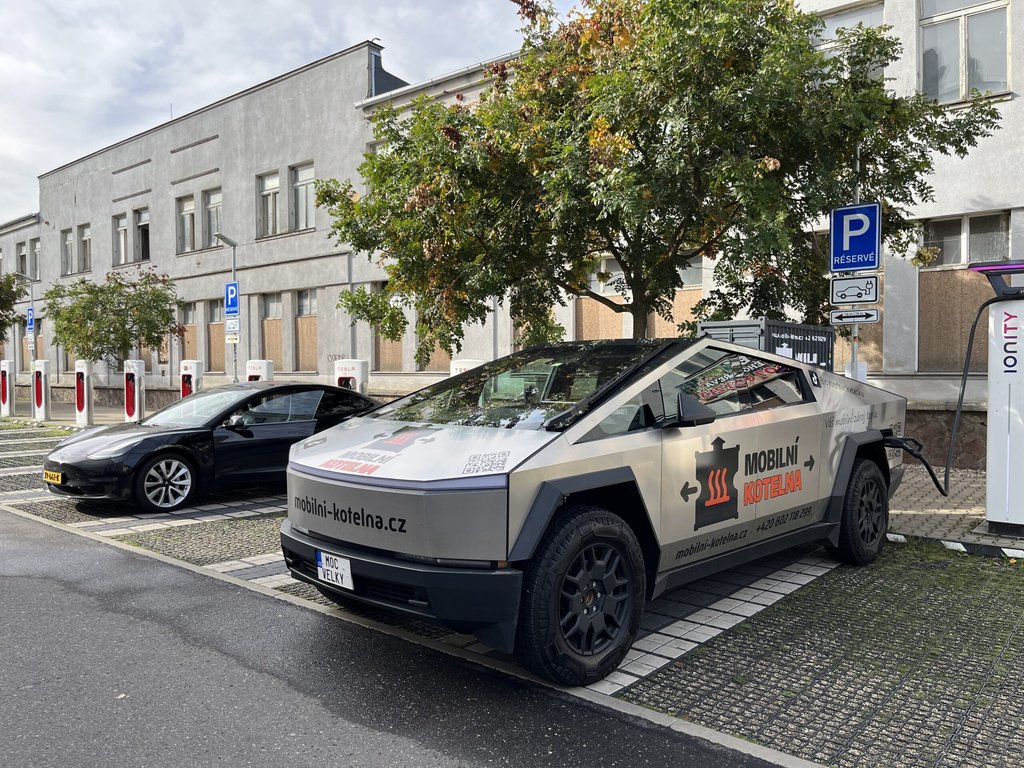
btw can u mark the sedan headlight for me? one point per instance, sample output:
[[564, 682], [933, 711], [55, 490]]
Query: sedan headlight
[[118, 448]]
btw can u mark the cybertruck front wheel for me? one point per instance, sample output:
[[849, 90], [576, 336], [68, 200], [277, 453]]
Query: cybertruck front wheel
[[582, 598], [865, 515]]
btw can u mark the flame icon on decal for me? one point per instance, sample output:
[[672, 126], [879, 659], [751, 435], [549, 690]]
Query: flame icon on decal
[[718, 488], [715, 472]]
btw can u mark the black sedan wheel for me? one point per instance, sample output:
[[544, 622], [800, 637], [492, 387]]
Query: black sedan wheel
[[584, 593], [164, 483]]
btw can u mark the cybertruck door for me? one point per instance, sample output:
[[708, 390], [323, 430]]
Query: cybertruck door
[[704, 512]]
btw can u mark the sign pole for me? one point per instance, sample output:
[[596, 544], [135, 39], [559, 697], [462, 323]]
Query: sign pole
[[855, 331], [234, 347]]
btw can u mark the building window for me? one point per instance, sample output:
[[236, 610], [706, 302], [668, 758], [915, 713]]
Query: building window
[[271, 306], [981, 238], [34, 248], [964, 48], [306, 302], [84, 248], [303, 197], [186, 224], [267, 214], [212, 208], [120, 239], [188, 313], [217, 310], [67, 252], [142, 234], [21, 257], [869, 16]]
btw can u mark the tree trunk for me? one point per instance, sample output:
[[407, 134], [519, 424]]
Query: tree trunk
[[641, 320]]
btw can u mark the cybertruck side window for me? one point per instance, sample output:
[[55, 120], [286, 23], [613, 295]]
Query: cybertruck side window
[[712, 377], [771, 384]]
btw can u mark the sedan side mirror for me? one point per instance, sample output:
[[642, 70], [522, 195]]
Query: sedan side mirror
[[691, 413], [235, 421]]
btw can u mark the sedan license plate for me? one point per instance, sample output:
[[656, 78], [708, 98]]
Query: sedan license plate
[[335, 570], [52, 477]]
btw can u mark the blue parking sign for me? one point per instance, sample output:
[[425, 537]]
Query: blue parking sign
[[231, 299], [856, 237], [30, 318]]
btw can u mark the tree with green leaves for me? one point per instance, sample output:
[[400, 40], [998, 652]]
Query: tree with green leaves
[[106, 321], [655, 132], [11, 292]]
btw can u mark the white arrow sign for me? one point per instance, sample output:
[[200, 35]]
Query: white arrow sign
[[855, 290], [851, 316]]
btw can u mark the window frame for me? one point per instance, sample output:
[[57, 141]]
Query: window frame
[[185, 224], [67, 252], [268, 221], [964, 220], [141, 244], [209, 232], [35, 249], [302, 192], [310, 310], [961, 15]]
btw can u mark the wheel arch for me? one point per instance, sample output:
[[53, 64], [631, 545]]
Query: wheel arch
[[859, 445], [615, 490]]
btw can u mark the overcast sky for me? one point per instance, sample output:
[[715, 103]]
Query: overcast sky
[[79, 75]]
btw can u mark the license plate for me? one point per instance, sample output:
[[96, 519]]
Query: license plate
[[52, 477], [335, 570]]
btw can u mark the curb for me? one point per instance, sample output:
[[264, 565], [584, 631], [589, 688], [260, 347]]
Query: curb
[[967, 548]]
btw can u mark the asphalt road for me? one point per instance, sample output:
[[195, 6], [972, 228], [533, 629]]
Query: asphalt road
[[108, 657]]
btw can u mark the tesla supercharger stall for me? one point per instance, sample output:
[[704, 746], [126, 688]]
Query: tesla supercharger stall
[[259, 370], [41, 390], [191, 377], [134, 390], [461, 366], [6, 387], [1004, 480], [352, 374], [83, 393]]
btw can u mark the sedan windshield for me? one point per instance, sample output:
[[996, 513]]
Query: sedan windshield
[[197, 409], [523, 390]]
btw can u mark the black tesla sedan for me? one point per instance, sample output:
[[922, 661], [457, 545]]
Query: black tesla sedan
[[238, 433]]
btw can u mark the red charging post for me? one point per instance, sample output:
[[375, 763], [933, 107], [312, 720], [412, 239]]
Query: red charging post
[[41, 390], [83, 393], [134, 390], [6, 387]]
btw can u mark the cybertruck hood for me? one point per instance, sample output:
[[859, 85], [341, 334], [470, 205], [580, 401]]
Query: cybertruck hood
[[409, 452]]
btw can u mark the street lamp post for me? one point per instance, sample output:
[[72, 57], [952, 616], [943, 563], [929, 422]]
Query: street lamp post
[[234, 347]]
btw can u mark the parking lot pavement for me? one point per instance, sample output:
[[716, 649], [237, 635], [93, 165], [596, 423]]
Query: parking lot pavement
[[912, 661]]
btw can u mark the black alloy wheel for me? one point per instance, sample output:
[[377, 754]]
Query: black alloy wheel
[[865, 520]]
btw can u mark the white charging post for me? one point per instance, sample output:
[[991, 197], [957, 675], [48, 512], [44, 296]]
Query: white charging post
[[83, 393], [41, 390], [1004, 485], [134, 390], [352, 374], [191, 377], [455, 367], [259, 370], [6, 387]]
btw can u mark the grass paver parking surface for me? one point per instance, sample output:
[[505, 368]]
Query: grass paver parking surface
[[916, 660], [27, 481], [214, 542]]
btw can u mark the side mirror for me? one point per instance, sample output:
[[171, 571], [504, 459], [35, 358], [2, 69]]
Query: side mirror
[[235, 421], [692, 413]]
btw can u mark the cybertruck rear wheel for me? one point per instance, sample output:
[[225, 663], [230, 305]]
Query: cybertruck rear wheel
[[582, 599], [865, 515]]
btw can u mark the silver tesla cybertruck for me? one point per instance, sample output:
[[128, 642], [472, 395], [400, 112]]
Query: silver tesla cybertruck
[[538, 500]]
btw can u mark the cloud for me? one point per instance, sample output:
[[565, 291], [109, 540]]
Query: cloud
[[79, 75]]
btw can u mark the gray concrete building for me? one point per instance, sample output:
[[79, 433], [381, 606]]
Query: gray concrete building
[[243, 166]]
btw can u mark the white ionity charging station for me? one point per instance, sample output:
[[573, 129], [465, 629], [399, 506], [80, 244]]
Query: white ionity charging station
[[1004, 489]]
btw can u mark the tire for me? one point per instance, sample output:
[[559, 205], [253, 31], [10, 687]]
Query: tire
[[865, 515], [582, 598], [164, 483]]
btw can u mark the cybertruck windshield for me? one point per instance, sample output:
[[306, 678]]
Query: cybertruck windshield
[[526, 389]]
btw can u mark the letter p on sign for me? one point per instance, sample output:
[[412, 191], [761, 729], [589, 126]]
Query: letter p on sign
[[862, 223]]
